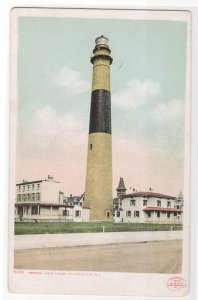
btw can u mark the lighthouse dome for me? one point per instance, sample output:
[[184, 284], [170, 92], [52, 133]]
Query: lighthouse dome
[[101, 40]]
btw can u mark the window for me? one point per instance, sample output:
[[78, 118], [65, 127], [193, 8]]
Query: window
[[158, 213], [128, 213], [38, 186], [108, 214], [77, 213], [19, 188], [145, 202], [158, 203], [149, 214], [24, 197], [33, 186], [66, 212], [38, 196], [175, 214], [19, 198], [33, 196], [23, 187], [118, 214], [168, 204], [168, 214], [136, 214], [28, 187], [28, 197], [20, 211], [132, 202], [34, 210], [90, 146]]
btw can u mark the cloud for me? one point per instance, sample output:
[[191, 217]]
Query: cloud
[[51, 133], [54, 144], [144, 164], [57, 144], [136, 93], [167, 113], [72, 82]]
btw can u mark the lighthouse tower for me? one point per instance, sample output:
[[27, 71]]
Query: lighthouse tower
[[98, 189]]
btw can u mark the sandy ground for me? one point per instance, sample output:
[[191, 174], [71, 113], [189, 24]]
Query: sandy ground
[[150, 257]]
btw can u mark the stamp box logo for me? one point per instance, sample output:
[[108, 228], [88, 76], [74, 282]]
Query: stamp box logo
[[176, 283]]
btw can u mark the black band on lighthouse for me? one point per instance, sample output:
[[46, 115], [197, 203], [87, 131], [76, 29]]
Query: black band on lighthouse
[[100, 114]]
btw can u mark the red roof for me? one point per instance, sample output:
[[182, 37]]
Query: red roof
[[162, 209], [148, 195], [46, 204], [40, 204]]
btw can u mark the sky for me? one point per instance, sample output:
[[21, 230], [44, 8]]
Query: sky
[[147, 93]]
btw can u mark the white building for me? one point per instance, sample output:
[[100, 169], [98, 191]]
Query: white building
[[76, 213], [42, 200], [74, 200], [147, 207]]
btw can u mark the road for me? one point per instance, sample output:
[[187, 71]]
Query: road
[[22, 242], [143, 257]]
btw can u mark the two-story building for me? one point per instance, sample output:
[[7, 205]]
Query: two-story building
[[147, 207], [42, 200]]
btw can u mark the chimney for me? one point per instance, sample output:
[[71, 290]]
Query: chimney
[[50, 178]]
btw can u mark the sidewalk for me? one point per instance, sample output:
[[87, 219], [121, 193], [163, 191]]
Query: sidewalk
[[39, 241]]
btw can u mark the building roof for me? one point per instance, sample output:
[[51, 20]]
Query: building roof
[[47, 205], [40, 204], [162, 209], [29, 182], [121, 185], [148, 195], [37, 181]]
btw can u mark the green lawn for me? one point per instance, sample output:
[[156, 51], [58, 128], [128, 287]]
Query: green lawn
[[71, 227]]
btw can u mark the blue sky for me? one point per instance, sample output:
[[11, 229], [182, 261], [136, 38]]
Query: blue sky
[[147, 87]]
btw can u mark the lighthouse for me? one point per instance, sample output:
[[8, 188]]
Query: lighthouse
[[98, 186]]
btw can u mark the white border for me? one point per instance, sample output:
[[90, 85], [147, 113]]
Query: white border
[[131, 282], [4, 122]]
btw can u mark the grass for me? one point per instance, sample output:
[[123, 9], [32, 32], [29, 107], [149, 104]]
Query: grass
[[71, 227]]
